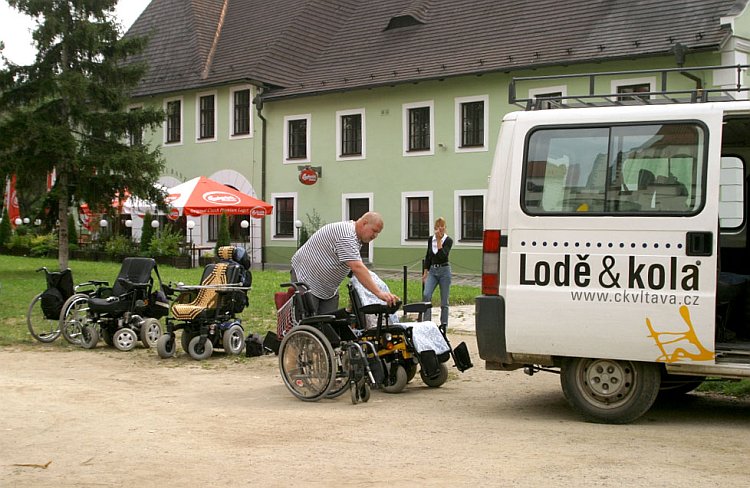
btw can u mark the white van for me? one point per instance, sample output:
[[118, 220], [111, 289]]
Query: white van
[[616, 246]]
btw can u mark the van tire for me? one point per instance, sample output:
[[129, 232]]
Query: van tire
[[608, 391]]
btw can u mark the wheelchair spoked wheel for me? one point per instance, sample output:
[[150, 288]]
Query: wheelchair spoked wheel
[[307, 363], [41, 328], [150, 332], [166, 346], [233, 340], [124, 339], [73, 316], [343, 374], [435, 381], [89, 336], [396, 379], [200, 351]]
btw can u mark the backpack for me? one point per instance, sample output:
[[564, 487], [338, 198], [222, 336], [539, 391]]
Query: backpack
[[52, 303]]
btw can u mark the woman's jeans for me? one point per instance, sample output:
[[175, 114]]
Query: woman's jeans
[[438, 276]]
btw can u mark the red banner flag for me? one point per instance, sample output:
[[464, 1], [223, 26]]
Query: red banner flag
[[11, 201]]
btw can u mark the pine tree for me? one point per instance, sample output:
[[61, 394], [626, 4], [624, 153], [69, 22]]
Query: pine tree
[[67, 112], [223, 239], [5, 229], [147, 233]]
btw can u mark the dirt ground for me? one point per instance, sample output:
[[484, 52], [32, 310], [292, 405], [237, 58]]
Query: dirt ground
[[73, 417]]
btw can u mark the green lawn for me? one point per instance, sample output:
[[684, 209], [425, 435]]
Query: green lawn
[[19, 284]]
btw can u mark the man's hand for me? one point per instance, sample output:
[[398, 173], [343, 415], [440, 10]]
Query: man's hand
[[388, 298]]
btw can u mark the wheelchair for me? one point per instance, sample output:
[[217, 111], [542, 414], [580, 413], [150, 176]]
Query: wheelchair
[[405, 347], [320, 355], [207, 313], [130, 313]]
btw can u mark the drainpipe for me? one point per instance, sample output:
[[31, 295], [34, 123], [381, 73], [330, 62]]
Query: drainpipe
[[259, 107], [679, 53]]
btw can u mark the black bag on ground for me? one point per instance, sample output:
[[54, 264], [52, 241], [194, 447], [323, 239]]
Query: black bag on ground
[[253, 346]]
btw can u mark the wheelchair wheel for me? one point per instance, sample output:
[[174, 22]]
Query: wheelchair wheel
[[396, 380], [106, 336], [73, 317], [150, 332], [41, 328], [306, 362], [89, 336], [166, 346], [124, 339], [341, 380], [198, 351], [233, 340], [436, 381], [360, 393], [411, 370]]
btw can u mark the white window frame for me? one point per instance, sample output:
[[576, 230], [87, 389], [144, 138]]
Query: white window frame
[[274, 197], [405, 215], [345, 197], [232, 90], [135, 106], [615, 84], [287, 119], [535, 92], [198, 97], [457, 194], [165, 130], [405, 128], [339, 115], [459, 101]]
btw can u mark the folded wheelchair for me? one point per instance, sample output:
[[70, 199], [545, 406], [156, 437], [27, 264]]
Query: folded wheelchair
[[321, 355], [207, 313], [129, 313]]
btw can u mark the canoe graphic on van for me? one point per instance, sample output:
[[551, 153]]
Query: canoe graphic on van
[[676, 346]]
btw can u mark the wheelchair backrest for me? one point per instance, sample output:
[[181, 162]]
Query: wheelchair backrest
[[137, 270]]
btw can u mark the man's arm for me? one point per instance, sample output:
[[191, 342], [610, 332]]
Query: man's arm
[[363, 275]]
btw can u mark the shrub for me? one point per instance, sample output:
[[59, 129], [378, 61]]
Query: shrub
[[42, 244], [72, 230], [167, 243], [120, 246], [5, 229], [223, 239]]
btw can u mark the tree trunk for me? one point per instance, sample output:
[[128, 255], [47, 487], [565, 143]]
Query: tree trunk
[[62, 217]]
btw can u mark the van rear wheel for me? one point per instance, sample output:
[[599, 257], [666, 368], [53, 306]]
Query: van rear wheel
[[610, 391]]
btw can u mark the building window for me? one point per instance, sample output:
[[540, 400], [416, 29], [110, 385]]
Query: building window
[[351, 135], [174, 121], [634, 89], [284, 215], [207, 117], [418, 123], [418, 218], [297, 138], [472, 217], [236, 232], [549, 97], [241, 112], [472, 124], [135, 133], [419, 129]]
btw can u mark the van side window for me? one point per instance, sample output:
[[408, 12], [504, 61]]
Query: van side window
[[619, 170], [731, 193]]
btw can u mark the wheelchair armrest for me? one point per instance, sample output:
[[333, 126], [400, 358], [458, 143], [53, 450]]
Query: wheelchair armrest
[[318, 319], [378, 308], [417, 307], [130, 284]]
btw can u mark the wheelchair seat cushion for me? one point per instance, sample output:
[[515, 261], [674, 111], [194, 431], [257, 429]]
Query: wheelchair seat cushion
[[206, 299], [426, 336], [111, 305]]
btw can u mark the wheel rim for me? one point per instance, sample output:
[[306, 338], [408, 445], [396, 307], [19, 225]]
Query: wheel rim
[[305, 365], [235, 340], [40, 327], [75, 318], [153, 331], [124, 339], [605, 383]]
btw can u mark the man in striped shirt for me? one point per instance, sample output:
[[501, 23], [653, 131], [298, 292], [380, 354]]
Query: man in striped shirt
[[331, 253]]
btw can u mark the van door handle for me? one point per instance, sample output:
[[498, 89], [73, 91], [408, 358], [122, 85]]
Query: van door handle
[[699, 244]]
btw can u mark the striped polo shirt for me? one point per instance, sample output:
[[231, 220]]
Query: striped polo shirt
[[321, 261]]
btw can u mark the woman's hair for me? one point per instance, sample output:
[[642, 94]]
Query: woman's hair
[[440, 221]]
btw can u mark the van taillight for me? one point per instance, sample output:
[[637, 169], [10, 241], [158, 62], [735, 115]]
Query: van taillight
[[491, 262]]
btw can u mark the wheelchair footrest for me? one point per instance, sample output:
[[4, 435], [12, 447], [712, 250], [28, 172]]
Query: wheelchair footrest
[[271, 342], [376, 368], [429, 363], [461, 357]]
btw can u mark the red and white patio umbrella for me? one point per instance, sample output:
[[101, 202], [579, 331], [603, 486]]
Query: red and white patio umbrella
[[204, 196]]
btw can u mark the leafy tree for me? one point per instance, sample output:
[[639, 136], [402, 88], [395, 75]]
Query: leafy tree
[[224, 238], [67, 112]]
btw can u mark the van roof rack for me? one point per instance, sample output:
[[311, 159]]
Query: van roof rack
[[730, 90]]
